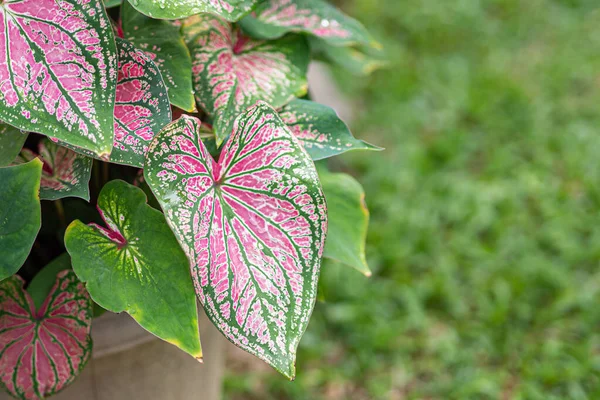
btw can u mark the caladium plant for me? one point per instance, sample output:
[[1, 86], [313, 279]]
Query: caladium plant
[[170, 149]]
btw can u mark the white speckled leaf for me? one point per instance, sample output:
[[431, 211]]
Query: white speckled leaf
[[65, 173], [163, 43], [274, 18], [58, 70], [231, 71], [253, 226], [232, 10]]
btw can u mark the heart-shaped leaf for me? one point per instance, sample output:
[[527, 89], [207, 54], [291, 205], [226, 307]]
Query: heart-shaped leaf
[[11, 143], [322, 133], [348, 218], [274, 18], [112, 3], [58, 70], [43, 351], [65, 173], [136, 265], [253, 226], [42, 283], [231, 72], [232, 10], [20, 214], [163, 43]]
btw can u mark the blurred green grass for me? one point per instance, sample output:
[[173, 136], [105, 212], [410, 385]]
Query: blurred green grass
[[485, 229]]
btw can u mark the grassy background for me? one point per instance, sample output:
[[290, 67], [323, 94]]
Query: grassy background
[[485, 233]]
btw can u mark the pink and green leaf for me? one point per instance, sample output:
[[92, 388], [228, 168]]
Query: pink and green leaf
[[231, 71], [253, 227], [142, 106], [163, 43], [58, 70], [134, 264], [274, 18], [65, 173], [20, 214], [11, 143], [348, 220], [42, 351], [322, 133], [231, 10]]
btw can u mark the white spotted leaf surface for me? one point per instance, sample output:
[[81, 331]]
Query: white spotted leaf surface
[[232, 10], [58, 68], [134, 264], [163, 42], [253, 226], [274, 18], [65, 173], [231, 71]]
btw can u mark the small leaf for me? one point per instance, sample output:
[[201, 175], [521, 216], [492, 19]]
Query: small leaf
[[274, 18], [43, 351], [64, 174], [11, 143], [322, 133], [136, 265], [112, 3], [163, 43], [253, 226], [232, 10], [43, 282], [20, 214], [231, 72], [58, 70], [348, 220]]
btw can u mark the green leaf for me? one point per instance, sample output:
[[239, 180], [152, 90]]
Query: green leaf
[[112, 3], [358, 60], [65, 173], [20, 214], [231, 71], [348, 220], [43, 281], [232, 10], [322, 133], [274, 18], [136, 265], [59, 70], [164, 44], [11, 143]]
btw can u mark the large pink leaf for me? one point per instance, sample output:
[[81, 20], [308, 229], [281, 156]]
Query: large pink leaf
[[41, 352], [253, 226], [58, 70], [231, 71]]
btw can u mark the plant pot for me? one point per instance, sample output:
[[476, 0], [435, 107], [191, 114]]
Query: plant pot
[[129, 363]]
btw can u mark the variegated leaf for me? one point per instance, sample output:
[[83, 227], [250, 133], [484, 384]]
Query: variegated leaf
[[65, 172], [163, 43], [232, 10], [322, 133], [20, 214], [11, 143], [134, 264], [232, 72], [42, 351], [142, 106], [274, 18], [58, 70], [253, 226]]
